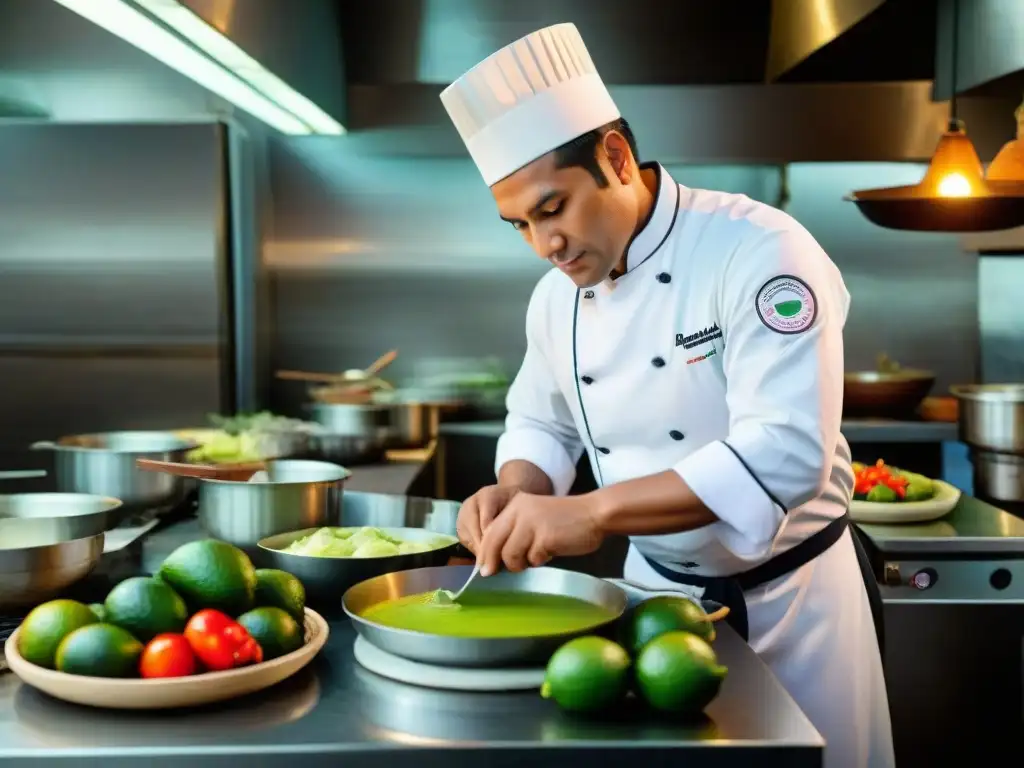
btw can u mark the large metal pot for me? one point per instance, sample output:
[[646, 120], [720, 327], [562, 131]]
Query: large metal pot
[[992, 416], [998, 476], [992, 424], [104, 464], [353, 434], [295, 495], [415, 417]]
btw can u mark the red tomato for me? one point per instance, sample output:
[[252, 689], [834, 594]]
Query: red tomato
[[220, 642], [167, 655]]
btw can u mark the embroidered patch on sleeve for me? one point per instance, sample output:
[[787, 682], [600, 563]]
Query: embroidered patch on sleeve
[[786, 304]]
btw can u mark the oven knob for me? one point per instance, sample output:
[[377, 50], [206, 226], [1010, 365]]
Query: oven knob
[[924, 578], [892, 574]]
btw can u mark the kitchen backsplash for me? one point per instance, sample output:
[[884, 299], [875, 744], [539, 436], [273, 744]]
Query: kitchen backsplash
[[377, 252]]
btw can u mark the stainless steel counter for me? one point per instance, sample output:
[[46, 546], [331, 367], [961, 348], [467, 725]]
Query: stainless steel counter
[[972, 529], [336, 710], [855, 430]]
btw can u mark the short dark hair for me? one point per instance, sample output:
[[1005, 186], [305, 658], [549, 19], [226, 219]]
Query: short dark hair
[[582, 151]]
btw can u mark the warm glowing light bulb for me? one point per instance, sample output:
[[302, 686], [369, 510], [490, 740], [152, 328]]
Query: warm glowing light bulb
[[954, 185]]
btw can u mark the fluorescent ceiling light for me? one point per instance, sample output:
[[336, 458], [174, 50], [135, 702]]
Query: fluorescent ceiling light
[[139, 30], [222, 49]]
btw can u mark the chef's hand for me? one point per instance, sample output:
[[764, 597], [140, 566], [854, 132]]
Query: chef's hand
[[477, 512], [532, 529]]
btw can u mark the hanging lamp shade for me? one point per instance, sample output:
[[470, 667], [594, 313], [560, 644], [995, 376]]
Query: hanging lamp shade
[[1008, 166], [955, 169], [953, 196]]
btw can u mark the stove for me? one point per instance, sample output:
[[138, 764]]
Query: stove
[[976, 553], [953, 593]]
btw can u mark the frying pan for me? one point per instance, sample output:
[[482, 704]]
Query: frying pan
[[893, 394], [471, 651], [904, 208]]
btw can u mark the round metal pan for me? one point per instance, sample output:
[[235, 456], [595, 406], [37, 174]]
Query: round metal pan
[[476, 652], [40, 519]]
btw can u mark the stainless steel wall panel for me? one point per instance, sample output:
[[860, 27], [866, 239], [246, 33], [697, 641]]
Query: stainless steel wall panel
[[107, 233]]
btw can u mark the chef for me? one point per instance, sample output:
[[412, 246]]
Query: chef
[[691, 342]]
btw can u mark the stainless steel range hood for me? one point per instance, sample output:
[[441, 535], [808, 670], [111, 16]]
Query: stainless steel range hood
[[800, 28], [649, 42]]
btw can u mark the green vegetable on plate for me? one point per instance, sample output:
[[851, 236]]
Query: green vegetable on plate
[[360, 542]]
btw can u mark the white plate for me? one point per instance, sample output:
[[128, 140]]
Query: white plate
[[941, 504], [451, 678], [192, 691]]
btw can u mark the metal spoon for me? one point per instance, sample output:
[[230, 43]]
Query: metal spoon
[[473, 575]]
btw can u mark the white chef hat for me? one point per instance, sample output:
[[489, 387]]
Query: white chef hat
[[527, 99]]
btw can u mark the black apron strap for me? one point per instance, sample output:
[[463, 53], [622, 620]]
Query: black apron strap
[[728, 590], [723, 590], [874, 593]]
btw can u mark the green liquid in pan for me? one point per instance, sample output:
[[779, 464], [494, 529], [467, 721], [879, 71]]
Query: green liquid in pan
[[490, 614]]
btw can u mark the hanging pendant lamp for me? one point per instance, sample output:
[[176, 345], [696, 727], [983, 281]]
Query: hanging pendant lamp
[[1008, 165], [954, 195]]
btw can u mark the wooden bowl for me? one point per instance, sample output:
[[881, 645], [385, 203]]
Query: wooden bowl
[[885, 395], [169, 693]]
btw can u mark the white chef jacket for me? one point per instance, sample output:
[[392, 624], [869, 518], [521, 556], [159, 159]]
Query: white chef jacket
[[718, 354]]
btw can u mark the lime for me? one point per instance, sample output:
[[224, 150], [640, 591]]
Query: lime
[[99, 650], [146, 608], [588, 674], [99, 610], [281, 590], [44, 628], [211, 574], [275, 631], [662, 614], [679, 672], [882, 493]]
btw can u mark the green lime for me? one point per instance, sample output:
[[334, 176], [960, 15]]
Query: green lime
[[275, 631], [99, 650], [588, 674], [882, 493], [281, 590], [145, 607], [662, 614], [99, 610], [44, 628], [679, 672], [211, 574]]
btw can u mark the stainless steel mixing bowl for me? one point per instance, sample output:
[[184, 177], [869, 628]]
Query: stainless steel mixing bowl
[[327, 578], [32, 575], [476, 652], [38, 519]]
